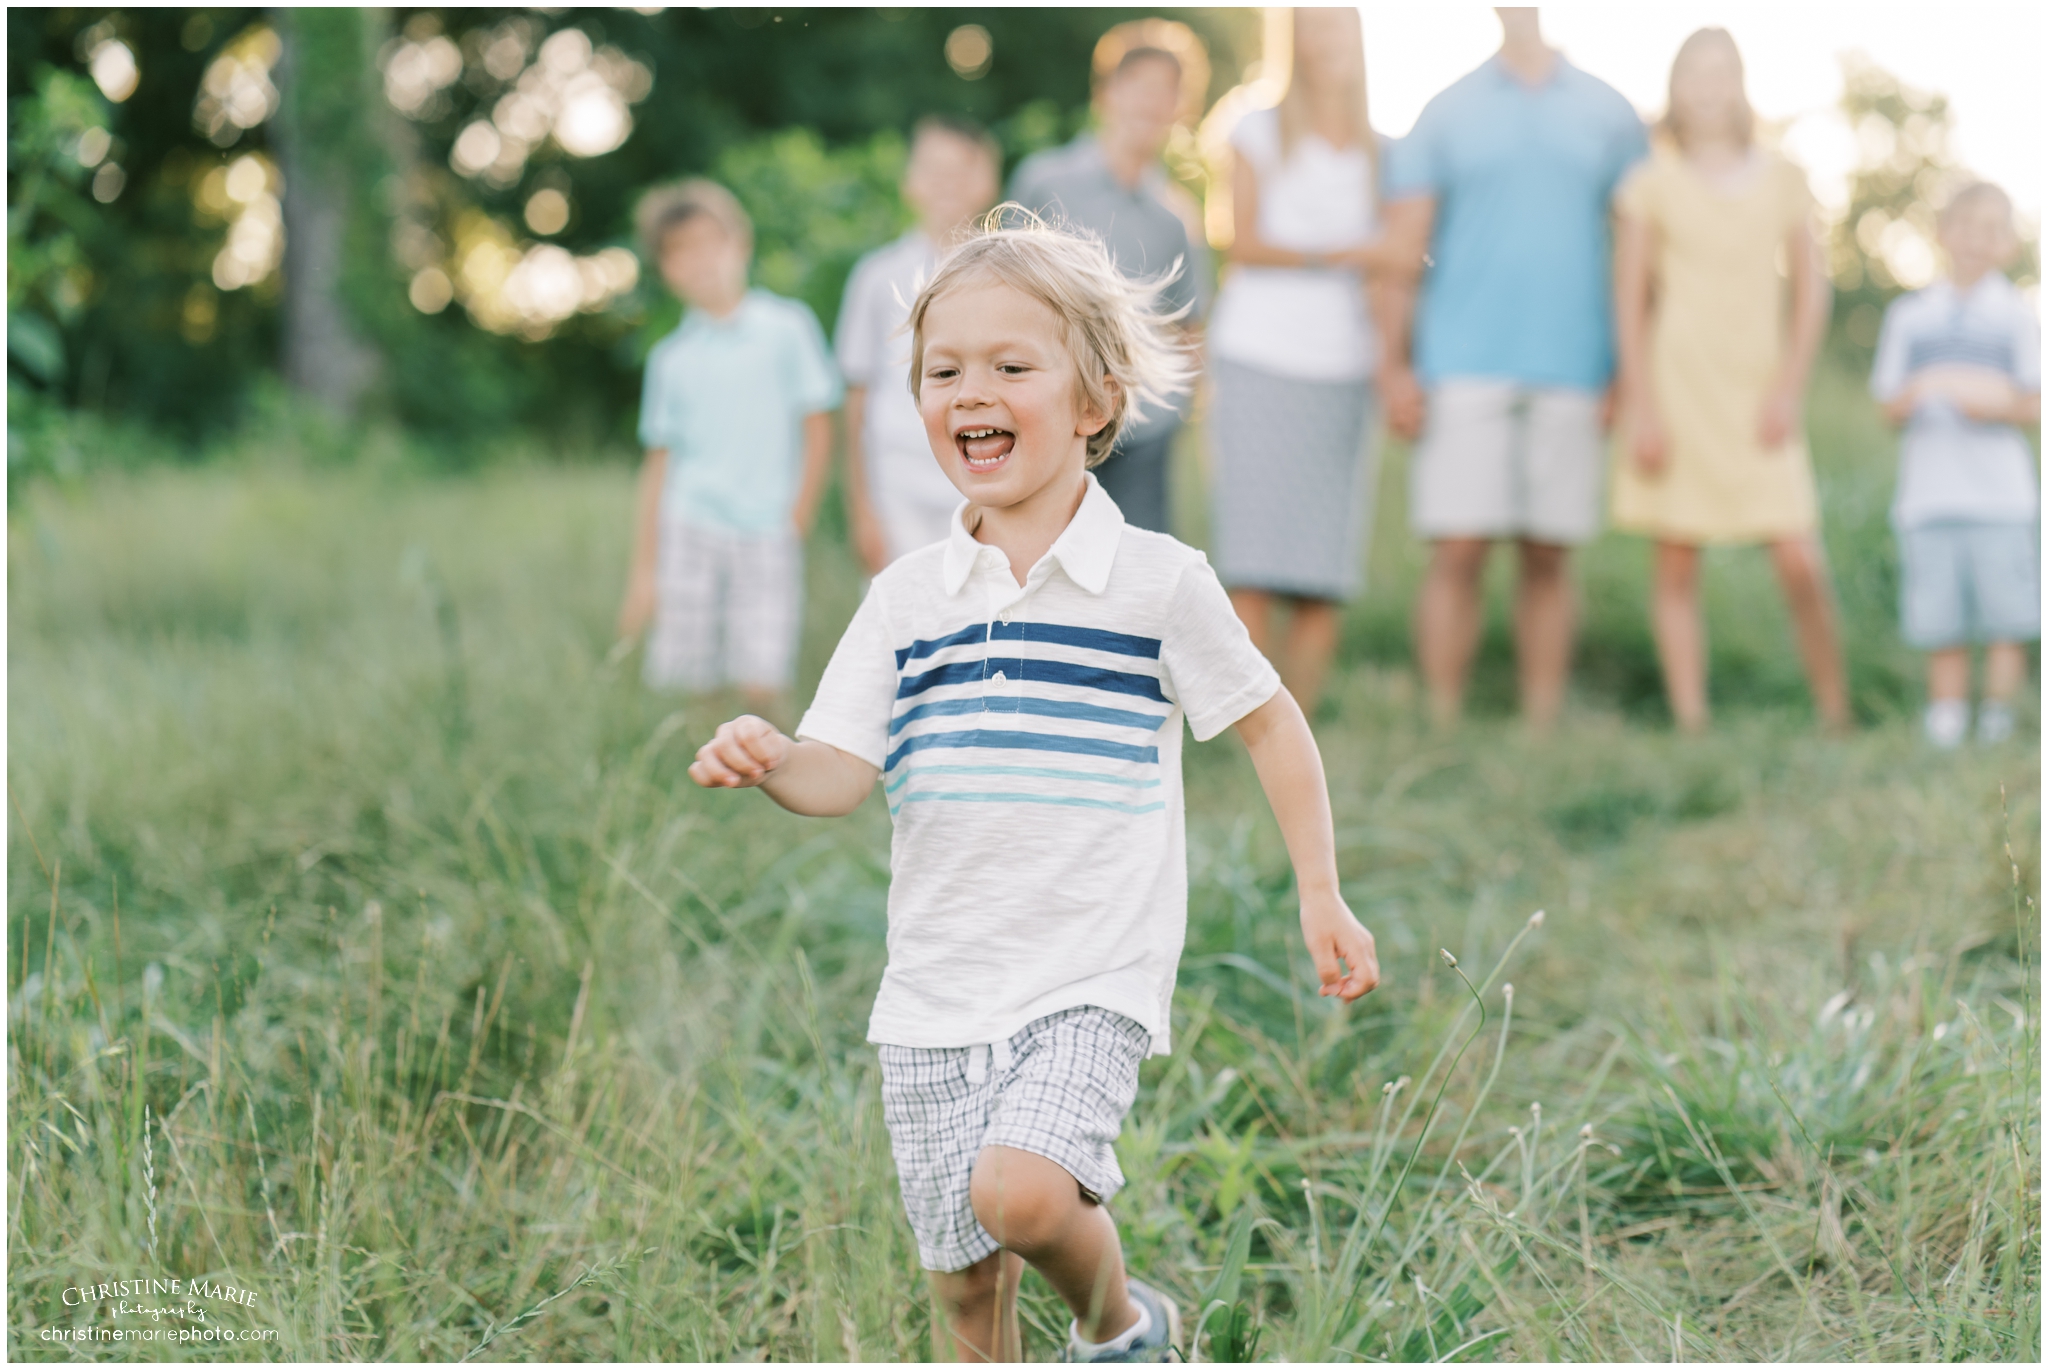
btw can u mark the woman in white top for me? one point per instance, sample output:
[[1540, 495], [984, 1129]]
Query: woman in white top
[[1291, 354]]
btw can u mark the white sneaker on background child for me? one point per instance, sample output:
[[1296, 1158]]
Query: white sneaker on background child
[[1947, 722], [1994, 721]]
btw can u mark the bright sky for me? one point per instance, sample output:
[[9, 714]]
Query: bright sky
[[1985, 57]]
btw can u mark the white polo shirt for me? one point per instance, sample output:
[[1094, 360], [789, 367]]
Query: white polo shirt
[[1029, 742]]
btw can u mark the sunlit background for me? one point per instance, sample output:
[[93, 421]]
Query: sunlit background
[[476, 243]]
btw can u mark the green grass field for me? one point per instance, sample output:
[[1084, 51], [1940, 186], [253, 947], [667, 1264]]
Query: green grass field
[[369, 950]]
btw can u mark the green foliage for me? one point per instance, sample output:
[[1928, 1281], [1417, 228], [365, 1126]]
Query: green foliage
[[151, 339], [48, 215], [48, 219], [816, 209], [1906, 173]]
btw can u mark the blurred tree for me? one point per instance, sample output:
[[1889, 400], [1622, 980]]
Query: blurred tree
[[1885, 243], [333, 166], [487, 192], [55, 138]]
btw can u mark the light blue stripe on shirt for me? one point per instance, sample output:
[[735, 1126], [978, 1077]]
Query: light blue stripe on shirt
[[1075, 801], [1039, 772]]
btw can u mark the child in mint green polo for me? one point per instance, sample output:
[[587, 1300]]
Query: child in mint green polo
[[735, 418]]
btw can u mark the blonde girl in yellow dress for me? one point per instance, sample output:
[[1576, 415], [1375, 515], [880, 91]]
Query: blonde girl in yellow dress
[[1713, 371]]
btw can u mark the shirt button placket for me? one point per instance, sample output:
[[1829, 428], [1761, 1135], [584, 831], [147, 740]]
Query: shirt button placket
[[998, 682]]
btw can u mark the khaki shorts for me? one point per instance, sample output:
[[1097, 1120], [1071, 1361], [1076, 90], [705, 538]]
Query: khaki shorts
[[1498, 459]]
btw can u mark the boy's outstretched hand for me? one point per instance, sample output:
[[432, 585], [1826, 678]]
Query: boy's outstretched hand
[[741, 753], [1332, 933]]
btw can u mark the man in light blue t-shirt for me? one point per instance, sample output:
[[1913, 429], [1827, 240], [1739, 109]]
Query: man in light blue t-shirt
[[1505, 183]]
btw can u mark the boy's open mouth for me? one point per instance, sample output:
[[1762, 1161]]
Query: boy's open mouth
[[983, 449]]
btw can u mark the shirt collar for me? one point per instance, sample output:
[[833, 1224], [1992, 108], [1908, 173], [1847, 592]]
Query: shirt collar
[[1992, 285], [1097, 162], [1085, 549], [697, 319], [1558, 67]]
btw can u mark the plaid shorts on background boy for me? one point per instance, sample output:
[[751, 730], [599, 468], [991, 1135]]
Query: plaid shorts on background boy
[[728, 607]]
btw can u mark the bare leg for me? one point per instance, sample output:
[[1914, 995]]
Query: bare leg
[[1311, 645], [2005, 671], [1680, 633], [1803, 572], [1255, 609], [1034, 1208], [1544, 614], [980, 1303], [1948, 674], [1447, 621]]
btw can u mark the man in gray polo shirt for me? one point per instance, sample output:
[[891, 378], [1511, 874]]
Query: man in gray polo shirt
[[1111, 183]]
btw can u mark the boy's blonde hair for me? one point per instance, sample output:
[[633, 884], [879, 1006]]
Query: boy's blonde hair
[[1125, 357], [667, 208]]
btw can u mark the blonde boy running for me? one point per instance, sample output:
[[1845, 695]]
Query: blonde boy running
[[1019, 688]]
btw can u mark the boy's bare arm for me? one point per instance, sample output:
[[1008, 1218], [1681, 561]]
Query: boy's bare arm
[[868, 539], [807, 777], [817, 462], [1899, 407], [1291, 771], [638, 606], [2015, 406]]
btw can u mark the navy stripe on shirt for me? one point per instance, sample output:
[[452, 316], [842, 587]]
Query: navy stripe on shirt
[[1961, 348], [973, 632], [1043, 672], [1030, 742], [1065, 634]]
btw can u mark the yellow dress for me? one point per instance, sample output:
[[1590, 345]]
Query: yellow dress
[[1717, 335]]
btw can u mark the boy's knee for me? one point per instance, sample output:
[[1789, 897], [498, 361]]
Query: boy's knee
[[1024, 1201]]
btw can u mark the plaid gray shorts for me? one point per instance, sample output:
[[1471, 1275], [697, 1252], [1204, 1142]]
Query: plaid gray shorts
[[727, 609], [1059, 1088]]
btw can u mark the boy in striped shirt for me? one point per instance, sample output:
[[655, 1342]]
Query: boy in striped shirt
[[1958, 367], [1019, 690]]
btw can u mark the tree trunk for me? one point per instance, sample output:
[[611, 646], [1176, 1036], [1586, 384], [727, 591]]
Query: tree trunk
[[327, 153]]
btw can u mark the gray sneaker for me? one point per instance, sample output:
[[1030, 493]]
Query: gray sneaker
[[1161, 1341]]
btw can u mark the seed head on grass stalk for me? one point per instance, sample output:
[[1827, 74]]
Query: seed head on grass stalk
[[1394, 1195]]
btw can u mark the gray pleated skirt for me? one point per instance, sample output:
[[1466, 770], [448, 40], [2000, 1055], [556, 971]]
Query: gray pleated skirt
[[1294, 467]]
